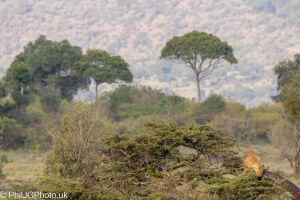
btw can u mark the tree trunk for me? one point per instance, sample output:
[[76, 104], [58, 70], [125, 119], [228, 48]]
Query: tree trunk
[[291, 162], [22, 88], [198, 87], [96, 91], [297, 169], [297, 164], [284, 183]]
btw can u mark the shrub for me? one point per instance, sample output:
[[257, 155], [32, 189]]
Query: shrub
[[247, 187], [74, 146], [207, 111], [50, 102], [135, 162], [12, 134]]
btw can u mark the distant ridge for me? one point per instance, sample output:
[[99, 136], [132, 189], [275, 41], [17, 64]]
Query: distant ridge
[[262, 33]]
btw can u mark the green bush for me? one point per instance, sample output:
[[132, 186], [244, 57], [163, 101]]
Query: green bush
[[50, 102], [12, 134], [246, 187], [141, 159], [22, 100], [207, 110]]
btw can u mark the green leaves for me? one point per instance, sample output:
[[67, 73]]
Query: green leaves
[[288, 83], [103, 67], [197, 47], [21, 72], [44, 59]]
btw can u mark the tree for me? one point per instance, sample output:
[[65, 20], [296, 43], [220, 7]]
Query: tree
[[285, 137], [286, 70], [287, 133], [3, 91], [291, 97], [53, 60], [103, 68], [200, 51], [22, 74]]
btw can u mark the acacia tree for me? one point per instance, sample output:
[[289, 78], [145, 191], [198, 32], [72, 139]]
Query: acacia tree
[[200, 51], [103, 68]]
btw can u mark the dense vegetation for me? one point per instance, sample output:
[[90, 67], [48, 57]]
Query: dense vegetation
[[261, 32], [136, 142]]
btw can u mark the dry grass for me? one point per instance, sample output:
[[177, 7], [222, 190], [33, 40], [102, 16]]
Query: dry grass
[[23, 166]]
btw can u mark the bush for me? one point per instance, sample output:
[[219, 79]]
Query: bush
[[136, 162], [74, 146], [22, 100], [12, 134], [246, 187], [207, 111], [50, 102]]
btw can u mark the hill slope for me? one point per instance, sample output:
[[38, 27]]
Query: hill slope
[[262, 32]]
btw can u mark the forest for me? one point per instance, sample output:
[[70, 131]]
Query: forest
[[135, 142]]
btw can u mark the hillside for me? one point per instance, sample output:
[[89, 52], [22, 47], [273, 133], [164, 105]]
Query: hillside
[[261, 33]]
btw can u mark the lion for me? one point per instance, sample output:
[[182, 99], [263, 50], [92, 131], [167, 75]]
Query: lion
[[251, 161]]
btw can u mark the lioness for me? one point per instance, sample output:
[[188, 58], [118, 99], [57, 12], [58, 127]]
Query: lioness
[[251, 161]]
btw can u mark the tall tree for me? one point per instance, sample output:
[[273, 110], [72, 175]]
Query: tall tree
[[200, 51], [103, 68]]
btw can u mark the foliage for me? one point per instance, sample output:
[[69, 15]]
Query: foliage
[[12, 136], [6, 106], [291, 96], [74, 190], [206, 111], [130, 94], [200, 51], [285, 136], [133, 102], [246, 187], [21, 100], [21, 73], [43, 59], [73, 147], [134, 162], [50, 101], [286, 70], [3, 91], [103, 68]]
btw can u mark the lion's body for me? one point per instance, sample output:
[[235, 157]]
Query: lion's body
[[253, 162]]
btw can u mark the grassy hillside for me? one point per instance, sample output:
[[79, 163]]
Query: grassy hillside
[[261, 32]]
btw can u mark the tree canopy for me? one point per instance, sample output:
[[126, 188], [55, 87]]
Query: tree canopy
[[21, 73], [200, 51], [49, 60], [288, 83], [103, 67]]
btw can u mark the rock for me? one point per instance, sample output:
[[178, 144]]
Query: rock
[[187, 153]]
